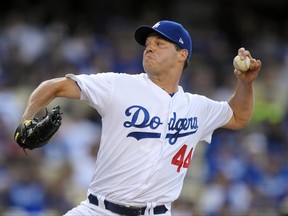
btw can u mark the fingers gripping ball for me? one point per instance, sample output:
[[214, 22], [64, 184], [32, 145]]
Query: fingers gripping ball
[[36, 133], [241, 64]]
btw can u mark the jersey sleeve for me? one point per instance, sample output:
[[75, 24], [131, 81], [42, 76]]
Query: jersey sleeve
[[96, 89], [217, 114]]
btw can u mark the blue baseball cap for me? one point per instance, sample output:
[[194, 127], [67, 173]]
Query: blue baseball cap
[[170, 30]]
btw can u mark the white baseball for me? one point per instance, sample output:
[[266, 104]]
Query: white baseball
[[241, 65]]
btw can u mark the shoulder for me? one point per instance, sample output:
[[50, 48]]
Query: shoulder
[[116, 75], [197, 97], [128, 76], [204, 101], [106, 76], [131, 79]]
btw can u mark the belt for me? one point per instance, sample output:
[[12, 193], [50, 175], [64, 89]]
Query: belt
[[124, 210]]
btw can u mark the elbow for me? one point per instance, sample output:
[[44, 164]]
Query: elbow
[[241, 125], [52, 87], [238, 123]]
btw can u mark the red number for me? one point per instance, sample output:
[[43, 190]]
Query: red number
[[188, 159], [179, 160]]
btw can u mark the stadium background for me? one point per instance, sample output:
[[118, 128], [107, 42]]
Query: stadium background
[[240, 173]]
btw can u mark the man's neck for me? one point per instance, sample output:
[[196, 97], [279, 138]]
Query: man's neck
[[167, 83]]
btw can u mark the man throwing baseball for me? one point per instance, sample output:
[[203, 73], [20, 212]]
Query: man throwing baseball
[[150, 126]]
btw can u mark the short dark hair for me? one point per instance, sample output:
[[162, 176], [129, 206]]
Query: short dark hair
[[178, 48]]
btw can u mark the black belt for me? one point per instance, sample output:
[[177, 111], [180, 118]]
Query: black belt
[[123, 210]]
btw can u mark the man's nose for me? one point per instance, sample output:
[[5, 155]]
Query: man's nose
[[149, 48]]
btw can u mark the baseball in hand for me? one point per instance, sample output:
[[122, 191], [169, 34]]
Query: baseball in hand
[[241, 65]]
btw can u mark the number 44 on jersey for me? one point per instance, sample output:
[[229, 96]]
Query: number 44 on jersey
[[181, 159]]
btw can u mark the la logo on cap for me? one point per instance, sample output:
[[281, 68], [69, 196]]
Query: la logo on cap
[[156, 25]]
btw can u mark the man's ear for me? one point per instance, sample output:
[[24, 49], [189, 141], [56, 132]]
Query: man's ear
[[183, 54]]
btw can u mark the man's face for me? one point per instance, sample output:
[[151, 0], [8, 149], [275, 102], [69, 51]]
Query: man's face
[[159, 55]]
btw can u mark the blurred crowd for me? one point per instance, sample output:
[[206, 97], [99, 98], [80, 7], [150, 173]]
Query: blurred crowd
[[241, 173]]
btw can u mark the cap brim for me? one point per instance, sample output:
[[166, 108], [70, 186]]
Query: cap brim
[[141, 34]]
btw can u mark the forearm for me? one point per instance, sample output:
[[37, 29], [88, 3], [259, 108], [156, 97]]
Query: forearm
[[242, 104], [242, 101]]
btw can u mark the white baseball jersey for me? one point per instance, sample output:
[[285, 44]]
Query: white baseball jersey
[[148, 137]]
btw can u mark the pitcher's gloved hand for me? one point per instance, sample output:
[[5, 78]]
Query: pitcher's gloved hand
[[36, 133]]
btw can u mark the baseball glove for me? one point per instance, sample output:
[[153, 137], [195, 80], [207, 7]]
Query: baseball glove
[[36, 133]]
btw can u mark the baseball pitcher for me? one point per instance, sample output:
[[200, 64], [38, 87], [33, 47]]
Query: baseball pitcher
[[151, 126]]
